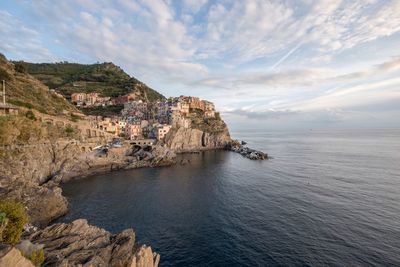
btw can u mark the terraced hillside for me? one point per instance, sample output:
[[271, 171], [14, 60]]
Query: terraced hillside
[[105, 78]]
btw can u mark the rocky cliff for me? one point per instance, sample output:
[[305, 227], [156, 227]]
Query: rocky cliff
[[202, 134], [191, 139]]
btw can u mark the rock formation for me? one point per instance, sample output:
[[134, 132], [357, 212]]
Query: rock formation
[[10, 256], [245, 151], [80, 244], [192, 139]]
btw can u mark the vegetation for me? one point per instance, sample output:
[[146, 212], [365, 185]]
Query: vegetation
[[103, 111], [29, 114], [75, 118], [210, 125], [4, 75], [19, 129], [25, 129], [3, 224], [20, 103], [20, 68], [36, 257], [105, 78], [14, 217], [25, 91], [70, 131]]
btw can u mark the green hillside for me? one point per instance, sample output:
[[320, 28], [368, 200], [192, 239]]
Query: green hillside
[[24, 90], [105, 78]]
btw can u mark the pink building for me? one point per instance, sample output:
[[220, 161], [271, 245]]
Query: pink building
[[78, 97], [133, 131]]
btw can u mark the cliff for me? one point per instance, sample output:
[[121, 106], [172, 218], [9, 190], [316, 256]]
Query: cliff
[[203, 134], [191, 139]]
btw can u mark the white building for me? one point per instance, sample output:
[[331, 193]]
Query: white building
[[162, 130]]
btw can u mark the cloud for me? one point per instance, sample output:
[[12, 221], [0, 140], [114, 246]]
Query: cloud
[[144, 36], [242, 32], [20, 40], [259, 114], [193, 6], [297, 78], [354, 96]]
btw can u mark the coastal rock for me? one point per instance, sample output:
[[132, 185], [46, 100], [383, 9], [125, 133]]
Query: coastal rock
[[43, 203], [80, 244], [10, 256], [245, 151], [192, 139]]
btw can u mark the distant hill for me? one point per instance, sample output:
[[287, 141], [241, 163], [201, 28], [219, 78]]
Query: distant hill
[[105, 78], [25, 91]]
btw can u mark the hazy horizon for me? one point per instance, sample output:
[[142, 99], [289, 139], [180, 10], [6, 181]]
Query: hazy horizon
[[266, 64]]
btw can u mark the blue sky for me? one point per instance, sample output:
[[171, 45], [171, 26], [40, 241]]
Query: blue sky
[[266, 64]]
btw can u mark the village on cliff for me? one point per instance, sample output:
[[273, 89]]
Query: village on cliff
[[145, 121]]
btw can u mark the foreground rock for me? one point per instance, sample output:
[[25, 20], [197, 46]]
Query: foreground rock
[[80, 244], [44, 203], [245, 151], [10, 256]]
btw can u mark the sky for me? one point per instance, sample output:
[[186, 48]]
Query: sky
[[281, 64]]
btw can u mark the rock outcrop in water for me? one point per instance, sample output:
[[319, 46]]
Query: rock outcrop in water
[[245, 151], [80, 244]]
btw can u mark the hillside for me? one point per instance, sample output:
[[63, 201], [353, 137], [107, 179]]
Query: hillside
[[25, 91], [31, 95], [104, 78]]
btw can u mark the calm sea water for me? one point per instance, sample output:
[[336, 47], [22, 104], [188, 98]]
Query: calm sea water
[[327, 198]]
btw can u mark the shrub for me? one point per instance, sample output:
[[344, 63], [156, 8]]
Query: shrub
[[29, 114], [70, 131], [4, 75], [21, 103], [19, 68], [17, 218], [3, 224], [36, 257], [74, 118]]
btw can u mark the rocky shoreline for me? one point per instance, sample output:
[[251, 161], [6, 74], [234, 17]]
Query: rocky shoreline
[[33, 177]]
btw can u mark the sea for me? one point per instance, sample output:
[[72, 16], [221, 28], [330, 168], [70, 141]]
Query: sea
[[325, 198]]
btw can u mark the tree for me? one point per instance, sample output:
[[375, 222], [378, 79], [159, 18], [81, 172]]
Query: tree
[[14, 216]]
